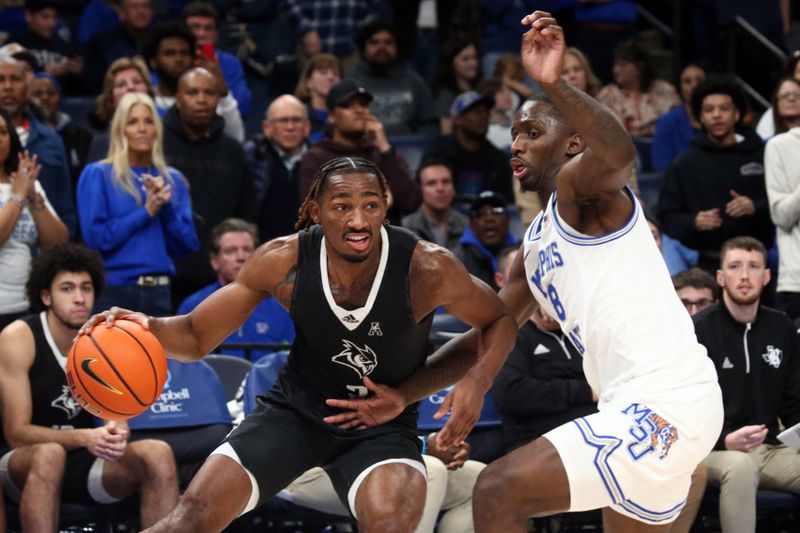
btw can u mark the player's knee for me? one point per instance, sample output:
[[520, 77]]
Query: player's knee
[[391, 520], [154, 457], [489, 487], [48, 460]]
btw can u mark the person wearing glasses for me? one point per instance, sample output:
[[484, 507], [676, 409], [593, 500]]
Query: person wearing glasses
[[786, 105], [486, 235], [273, 156], [696, 288]]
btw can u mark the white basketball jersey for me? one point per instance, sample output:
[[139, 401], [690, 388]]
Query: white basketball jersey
[[614, 299]]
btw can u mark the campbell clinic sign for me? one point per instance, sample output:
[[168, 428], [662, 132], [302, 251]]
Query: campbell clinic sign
[[192, 396]]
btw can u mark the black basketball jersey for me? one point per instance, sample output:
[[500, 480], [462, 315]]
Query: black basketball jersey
[[335, 348], [53, 405]]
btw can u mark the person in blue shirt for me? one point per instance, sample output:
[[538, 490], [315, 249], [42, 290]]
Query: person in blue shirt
[[202, 17], [136, 211], [675, 129], [233, 241]]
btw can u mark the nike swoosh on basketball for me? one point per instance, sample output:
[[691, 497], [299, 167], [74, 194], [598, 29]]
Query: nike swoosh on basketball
[[89, 372]]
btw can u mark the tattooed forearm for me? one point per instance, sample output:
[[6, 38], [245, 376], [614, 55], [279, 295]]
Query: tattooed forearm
[[444, 368], [598, 126]]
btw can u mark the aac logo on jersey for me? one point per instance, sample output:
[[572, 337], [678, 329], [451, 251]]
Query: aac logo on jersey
[[361, 360]]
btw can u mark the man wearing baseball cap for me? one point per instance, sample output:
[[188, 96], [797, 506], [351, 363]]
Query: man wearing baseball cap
[[485, 237], [354, 131], [477, 165]]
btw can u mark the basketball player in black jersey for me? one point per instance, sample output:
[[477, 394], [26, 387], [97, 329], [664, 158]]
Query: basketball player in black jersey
[[362, 296], [81, 462]]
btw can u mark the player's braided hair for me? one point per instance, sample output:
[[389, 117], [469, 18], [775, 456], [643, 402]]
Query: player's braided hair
[[335, 167]]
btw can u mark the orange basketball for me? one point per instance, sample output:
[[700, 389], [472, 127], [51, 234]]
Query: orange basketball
[[117, 372]]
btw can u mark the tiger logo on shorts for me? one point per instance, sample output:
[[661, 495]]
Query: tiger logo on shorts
[[664, 436]]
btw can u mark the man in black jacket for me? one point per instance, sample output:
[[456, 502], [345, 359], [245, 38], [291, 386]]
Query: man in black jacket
[[274, 160], [213, 163], [485, 237], [755, 351], [715, 190]]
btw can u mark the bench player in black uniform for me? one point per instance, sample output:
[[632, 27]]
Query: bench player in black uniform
[[84, 463], [362, 296]]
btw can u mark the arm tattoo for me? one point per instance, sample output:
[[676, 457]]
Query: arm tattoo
[[593, 120], [287, 281]]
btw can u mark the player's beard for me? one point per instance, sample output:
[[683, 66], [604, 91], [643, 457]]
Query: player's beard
[[64, 319]]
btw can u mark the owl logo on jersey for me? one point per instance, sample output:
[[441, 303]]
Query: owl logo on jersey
[[664, 435], [362, 360], [773, 356], [67, 403]]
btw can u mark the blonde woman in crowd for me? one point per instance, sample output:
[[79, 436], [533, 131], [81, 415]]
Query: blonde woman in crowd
[[136, 211]]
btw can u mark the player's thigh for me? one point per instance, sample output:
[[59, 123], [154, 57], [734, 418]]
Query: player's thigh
[[276, 445], [531, 479], [388, 465], [630, 458]]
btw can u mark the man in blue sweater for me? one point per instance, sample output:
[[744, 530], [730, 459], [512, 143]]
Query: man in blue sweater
[[233, 241]]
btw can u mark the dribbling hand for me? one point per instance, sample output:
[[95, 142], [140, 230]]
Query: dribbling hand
[[108, 317]]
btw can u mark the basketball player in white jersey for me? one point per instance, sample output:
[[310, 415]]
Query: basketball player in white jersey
[[590, 261]]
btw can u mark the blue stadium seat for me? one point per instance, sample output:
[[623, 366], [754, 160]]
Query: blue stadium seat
[[231, 370], [649, 188], [644, 151], [193, 395], [261, 378], [411, 147]]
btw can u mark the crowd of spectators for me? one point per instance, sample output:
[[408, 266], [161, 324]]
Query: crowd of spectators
[[184, 162]]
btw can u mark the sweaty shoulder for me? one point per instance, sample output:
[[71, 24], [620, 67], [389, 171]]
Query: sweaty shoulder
[[271, 265], [16, 341], [437, 276]]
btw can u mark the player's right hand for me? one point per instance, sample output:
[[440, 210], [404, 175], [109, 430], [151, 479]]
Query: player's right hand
[[115, 313], [543, 46]]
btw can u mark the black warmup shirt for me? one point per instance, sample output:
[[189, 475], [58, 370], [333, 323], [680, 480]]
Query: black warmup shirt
[[53, 405]]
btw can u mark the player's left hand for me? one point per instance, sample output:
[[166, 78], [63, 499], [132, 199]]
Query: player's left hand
[[464, 403], [543, 48], [384, 405]]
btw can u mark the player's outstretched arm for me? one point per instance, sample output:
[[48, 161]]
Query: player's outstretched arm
[[610, 153], [189, 337]]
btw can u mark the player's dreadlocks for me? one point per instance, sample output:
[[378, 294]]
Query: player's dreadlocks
[[335, 167]]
